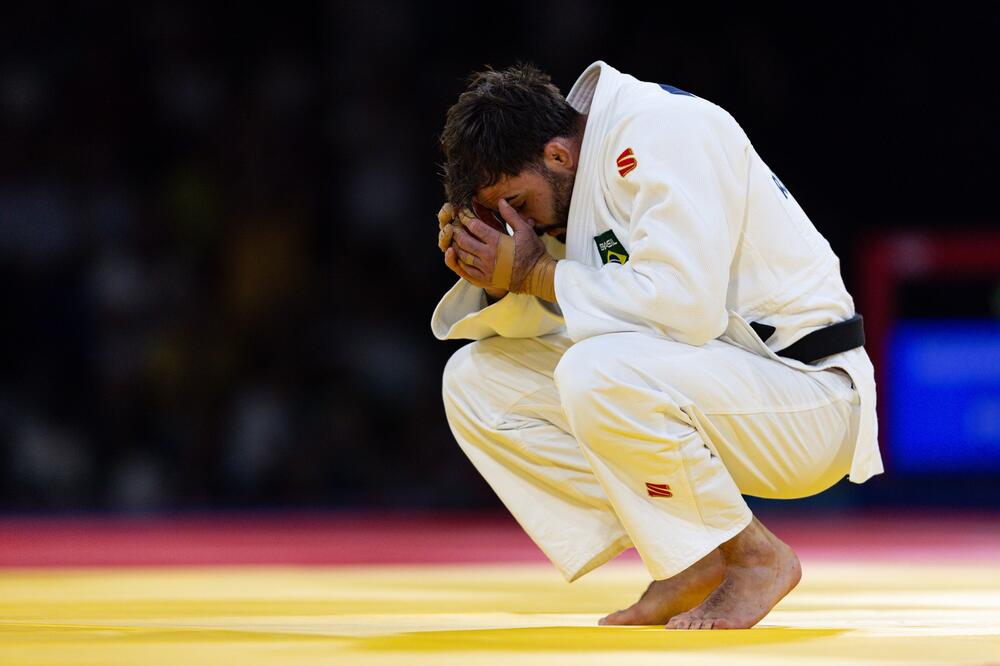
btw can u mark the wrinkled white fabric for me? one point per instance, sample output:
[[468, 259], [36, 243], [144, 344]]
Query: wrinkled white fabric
[[567, 435], [648, 370]]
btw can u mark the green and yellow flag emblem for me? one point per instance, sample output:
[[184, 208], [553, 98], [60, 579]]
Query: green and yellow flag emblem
[[610, 248]]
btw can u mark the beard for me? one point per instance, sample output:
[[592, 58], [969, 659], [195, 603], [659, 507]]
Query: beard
[[562, 195]]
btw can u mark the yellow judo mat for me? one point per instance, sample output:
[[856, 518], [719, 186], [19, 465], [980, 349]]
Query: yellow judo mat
[[522, 614]]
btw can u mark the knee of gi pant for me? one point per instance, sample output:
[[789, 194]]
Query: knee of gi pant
[[459, 373], [600, 392]]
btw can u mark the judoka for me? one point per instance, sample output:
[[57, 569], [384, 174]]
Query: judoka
[[658, 328]]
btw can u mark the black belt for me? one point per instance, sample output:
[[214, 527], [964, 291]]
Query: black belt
[[825, 341]]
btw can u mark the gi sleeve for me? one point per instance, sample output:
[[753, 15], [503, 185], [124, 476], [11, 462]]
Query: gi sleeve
[[464, 313], [679, 241]]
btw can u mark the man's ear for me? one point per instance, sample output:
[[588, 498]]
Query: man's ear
[[557, 155]]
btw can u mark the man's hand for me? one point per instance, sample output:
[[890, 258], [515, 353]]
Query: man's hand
[[447, 226], [534, 268], [491, 259]]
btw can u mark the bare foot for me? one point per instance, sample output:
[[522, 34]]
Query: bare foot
[[760, 570], [665, 598]]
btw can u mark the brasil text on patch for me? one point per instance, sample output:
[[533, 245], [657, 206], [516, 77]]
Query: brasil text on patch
[[610, 248]]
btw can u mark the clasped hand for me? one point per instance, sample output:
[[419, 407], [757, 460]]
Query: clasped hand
[[493, 260]]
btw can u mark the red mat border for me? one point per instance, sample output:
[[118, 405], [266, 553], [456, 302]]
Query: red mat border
[[378, 537]]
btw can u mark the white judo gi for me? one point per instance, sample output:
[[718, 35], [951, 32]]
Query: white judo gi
[[641, 408]]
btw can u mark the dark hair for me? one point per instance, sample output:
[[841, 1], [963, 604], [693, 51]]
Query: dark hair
[[499, 126]]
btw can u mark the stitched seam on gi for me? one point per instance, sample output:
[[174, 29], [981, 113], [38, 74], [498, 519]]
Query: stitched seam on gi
[[501, 420], [706, 441], [687, 475], [778, 410], [516, 435], [561, 487]]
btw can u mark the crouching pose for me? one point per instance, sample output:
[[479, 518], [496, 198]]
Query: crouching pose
[[659, 329]]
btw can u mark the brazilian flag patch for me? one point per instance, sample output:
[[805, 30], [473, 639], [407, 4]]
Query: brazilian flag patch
[[610, 248]]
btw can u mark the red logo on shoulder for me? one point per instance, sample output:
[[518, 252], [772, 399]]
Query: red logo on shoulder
[[626, 162], [658, 489]]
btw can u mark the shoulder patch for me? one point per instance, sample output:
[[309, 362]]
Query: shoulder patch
[[626, 162], [610, 248]]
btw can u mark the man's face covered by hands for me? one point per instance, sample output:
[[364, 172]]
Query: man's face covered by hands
[[539, 193], [533, 202]]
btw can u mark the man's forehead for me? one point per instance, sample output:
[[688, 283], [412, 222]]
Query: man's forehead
[[491, 195], [505, 188]]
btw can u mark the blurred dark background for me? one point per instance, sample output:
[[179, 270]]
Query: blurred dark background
[[217, 223]]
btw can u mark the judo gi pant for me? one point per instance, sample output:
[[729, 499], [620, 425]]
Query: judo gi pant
[[569, 435]]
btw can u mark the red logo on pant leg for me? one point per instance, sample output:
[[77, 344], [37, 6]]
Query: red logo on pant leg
[[626, 162], [658, 489]]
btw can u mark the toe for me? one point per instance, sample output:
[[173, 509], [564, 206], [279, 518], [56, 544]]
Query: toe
[[678, 622], [618, 617]]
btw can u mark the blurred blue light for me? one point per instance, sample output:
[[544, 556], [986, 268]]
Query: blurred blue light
[[944, 406]]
